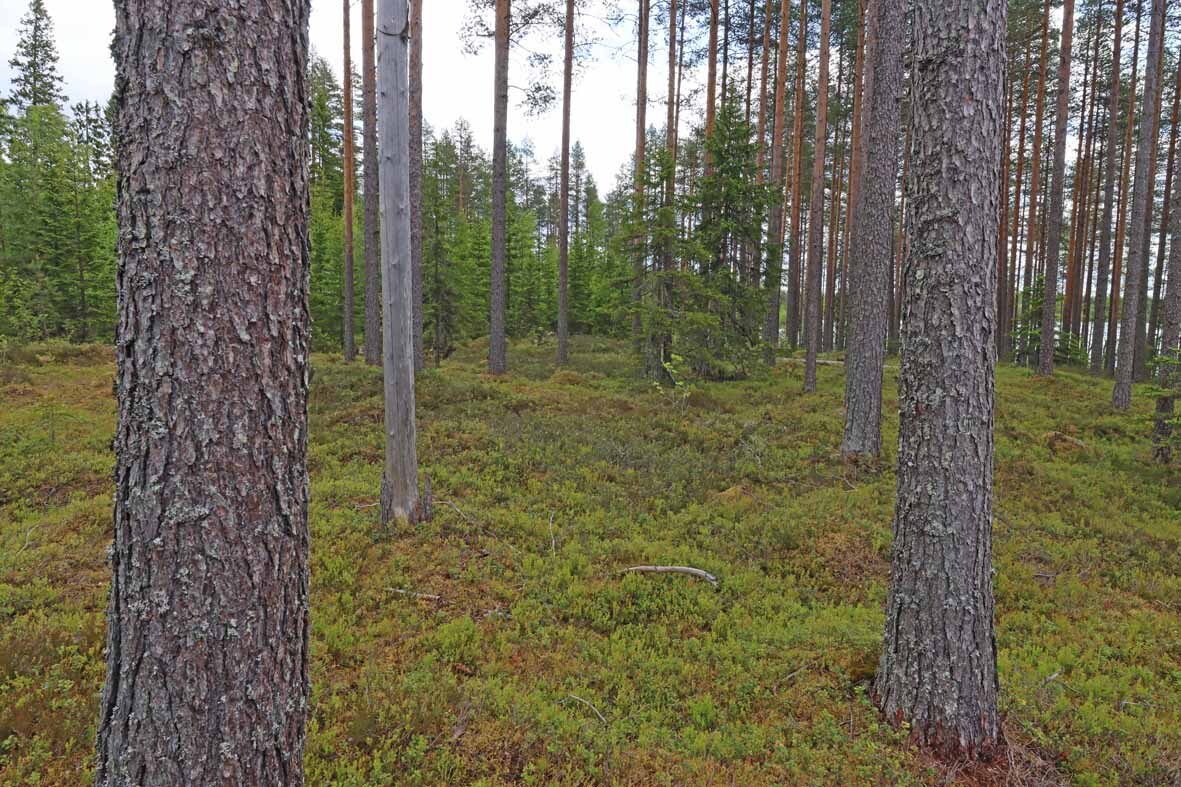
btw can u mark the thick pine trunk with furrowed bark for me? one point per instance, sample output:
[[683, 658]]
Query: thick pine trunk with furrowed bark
[[872, 253], [207, 643], [400, 503], [369, 166], [498, 290], [938, 670], [1045, 364], [1121, 395]]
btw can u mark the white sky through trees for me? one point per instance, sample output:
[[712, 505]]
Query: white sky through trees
[[456, 84]]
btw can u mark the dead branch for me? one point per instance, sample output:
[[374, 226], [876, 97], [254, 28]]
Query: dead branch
[[693, 572]]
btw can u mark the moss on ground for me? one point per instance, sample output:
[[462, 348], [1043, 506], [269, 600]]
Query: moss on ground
[[540, 664]]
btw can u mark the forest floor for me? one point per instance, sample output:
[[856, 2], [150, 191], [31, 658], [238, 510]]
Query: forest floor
[[499, 643]]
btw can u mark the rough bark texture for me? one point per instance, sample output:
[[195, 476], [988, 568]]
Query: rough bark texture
[[873, 252], [1099, 311], [1121, 396], [778, 189], [416, 174], [498, 292], [350, 190], [1045, 364], [938, 667], [1140, 346], [207, 642], [399, 483], [564, 195], [372, 209], [816, 210], [711, 77]]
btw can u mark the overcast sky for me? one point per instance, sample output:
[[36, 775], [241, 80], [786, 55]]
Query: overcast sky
[[455, 84]]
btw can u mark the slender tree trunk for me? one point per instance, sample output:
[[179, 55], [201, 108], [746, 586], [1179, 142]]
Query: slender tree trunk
[[1033, 225], [816, 211], [711, 80], [400, 503], [497, 346], [834, 212], [778, 190], [1007, 320], [350, 190], [207, 624], [750, 57], [761, 136], [416, 175], [372, 209], [1079, 192], [797, 187], [1097, 333], [670, 185], [1141, 348], [1003, 233], [1170, 338], [938, 671], [873, 252], [564, 195], [1045, 366], [1121, 397], [855, 156], [1166, 214], [1122, 222], [640, 161]]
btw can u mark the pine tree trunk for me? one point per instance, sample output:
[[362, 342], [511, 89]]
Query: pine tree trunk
[[400, 504], [1045, 366], [207, 640], [1099, 310], [1007, 320], [416, 175], [834, 212], [1121, 227], [873, 251], [638, 178], [350, 190], [497, 345], [797, 187], [1140, 347], [1170, 337], [372, 209], [761, 134], [711, 79], [778, 190], [1121, 394], [1033, 227], [1166, 214], [816, 211], [938, 670], [564, 195]]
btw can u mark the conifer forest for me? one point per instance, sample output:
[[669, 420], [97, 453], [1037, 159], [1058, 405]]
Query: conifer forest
[[740, 392]]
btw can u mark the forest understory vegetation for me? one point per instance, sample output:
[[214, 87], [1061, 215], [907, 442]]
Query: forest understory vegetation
[[499, 643]]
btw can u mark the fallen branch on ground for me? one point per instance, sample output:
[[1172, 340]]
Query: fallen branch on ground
[[693, 572], [592, 707], [415, 594]]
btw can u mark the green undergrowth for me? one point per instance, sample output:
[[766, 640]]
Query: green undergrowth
[[499, 644]]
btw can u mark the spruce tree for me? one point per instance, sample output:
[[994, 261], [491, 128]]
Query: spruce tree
[[36, 80]]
